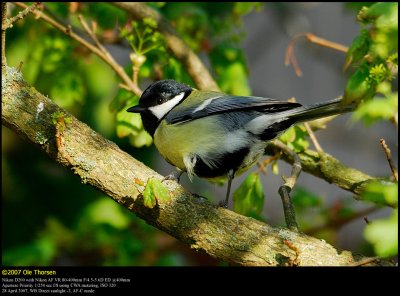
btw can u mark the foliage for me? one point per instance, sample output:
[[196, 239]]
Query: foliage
[[153, 192], [374, 54], [383, 235], [104, 234], [249, 197]]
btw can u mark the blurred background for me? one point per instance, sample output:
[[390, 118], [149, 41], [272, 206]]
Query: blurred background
[[50, 218]]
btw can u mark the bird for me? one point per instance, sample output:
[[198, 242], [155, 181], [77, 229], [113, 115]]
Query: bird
[[214, 135]]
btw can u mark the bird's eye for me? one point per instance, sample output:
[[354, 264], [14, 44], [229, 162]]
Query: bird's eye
[[160, 100]]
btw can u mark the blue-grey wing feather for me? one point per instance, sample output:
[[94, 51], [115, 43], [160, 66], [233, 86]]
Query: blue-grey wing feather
[[227, 103]]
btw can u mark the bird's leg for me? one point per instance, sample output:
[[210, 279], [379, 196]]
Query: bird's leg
[[284, 190], [175, 175], [224, 203]]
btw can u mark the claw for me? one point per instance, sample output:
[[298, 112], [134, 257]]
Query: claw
[[174, 176], [223, 204]]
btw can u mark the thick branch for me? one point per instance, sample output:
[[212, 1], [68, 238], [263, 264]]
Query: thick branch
[[330, 169], [3, 37], [100, 163], [194, 66]]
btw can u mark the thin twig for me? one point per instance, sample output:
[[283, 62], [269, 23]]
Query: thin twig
[[263, 164], [290, 58], [365, 261], [189, 59], [19, 68], [29, 9], [313, 138], [338, 222], [135, 73], [92, 34], [286, 188], [389, 159], [110, 61]]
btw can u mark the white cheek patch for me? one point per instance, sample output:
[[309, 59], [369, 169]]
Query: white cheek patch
[[161, 110]]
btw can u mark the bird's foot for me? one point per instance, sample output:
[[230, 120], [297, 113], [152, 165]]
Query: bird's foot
[[199, 199], [223, 204], [174, 176]]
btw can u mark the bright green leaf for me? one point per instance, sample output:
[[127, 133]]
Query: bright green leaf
[[377, 109], [154, 191], [160, 191], [295, 138], [358, 86], [358, 48], [149, 199], [243, 8], [106, 211], [249, 197], [383, 235], [128, 123], [381, 193]]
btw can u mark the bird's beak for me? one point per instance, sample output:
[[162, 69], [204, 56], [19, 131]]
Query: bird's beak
[[136, 109]]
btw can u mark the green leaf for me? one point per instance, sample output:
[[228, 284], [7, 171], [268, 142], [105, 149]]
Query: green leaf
[[128, 124], [106, 211], [243, 8], [358, 48], [383, 235], [249, 197], [377, 109], [149, 200], [358, 86], [295, 138], [387, 9], [381, 193], [141, 139], [229, 63], [153, 192], [160, 191]]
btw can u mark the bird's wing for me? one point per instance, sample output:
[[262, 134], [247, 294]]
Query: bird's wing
[[226, 103]]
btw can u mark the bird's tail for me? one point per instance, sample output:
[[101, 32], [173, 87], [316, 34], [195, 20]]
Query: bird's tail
[[319, 110]]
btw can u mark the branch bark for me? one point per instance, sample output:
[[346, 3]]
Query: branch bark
[[100, 163], [3, 37], [326, 167], [195, 67]]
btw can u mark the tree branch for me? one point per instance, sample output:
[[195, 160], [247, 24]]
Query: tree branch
[[194, 66], [3, 37], [100, 163], [20, 16], [389, 159], [327, 167], [98, 51]]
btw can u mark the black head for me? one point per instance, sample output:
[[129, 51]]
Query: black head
[[157, 100]]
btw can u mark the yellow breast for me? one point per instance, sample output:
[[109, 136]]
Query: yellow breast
[[175, 141]]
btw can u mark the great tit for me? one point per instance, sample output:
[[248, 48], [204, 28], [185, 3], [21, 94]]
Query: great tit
[[214, 135]]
